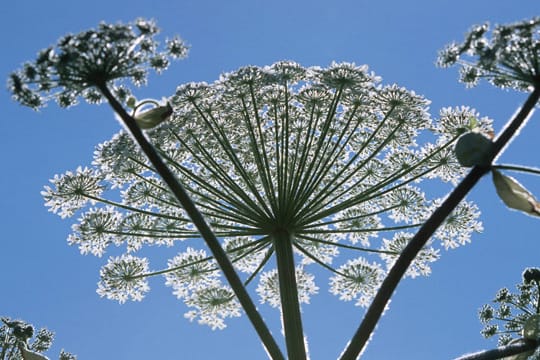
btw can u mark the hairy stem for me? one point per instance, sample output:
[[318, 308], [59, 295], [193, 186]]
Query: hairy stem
[[288, 291], [416, 244], [198, 220], [524, 169], [502, 352], [5, 345]]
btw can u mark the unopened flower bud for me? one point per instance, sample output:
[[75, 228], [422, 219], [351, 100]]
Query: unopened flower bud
[[151, 118], [131, 102], [514, 195], [23, 332], [473, 149], [530, 275]]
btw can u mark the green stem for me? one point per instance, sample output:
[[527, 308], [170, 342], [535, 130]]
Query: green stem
[[259, 244], [503, 352], [4, 347], [263, 262], [363, 230], [288, 291], [373, 314], [517, 168], [538, 300], [316, 260], [198, 220], [345, 246]]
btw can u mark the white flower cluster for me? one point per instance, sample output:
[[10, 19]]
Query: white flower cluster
[[326, 155], [268, 288], [121, 279], [508, 57], [80, 64]]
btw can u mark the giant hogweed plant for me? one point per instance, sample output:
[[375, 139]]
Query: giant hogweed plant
[[19, 341], [280, 169]]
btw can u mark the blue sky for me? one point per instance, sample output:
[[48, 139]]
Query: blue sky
[[49, 284]]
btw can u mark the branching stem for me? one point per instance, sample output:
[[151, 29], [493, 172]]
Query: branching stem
[[373, 314], [198, 220]]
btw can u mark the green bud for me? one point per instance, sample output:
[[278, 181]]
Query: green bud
[[131, 102], [473, 149], [531, 275], [23, 332], [473, 122]]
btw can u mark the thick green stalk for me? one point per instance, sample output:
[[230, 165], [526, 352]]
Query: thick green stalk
[[4, 347], [198, 220], [503, 352], [416, 244], [288, 291]]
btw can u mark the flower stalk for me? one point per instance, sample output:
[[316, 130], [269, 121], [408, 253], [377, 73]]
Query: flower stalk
[[288, 290], [201, 224], [525, 169], [285, 161], [362, 334], [504, 352]]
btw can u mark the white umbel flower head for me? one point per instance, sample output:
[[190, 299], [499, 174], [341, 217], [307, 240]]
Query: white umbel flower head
[[326, 162], [121, 279]]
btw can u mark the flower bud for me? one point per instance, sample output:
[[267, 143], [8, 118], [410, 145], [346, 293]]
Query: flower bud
[[151, 118], [23, 332], [131, 102], [530, 275], [473, 149], [514, 195]]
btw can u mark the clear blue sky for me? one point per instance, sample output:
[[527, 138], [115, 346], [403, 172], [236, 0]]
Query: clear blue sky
[[47, 283]]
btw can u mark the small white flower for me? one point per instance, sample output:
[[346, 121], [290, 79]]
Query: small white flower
[[212, 305], [72, 191], [121, 279], [357, 279], [422, 261], [458, 227], [268, 288], [96, 230], [190, 271]]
